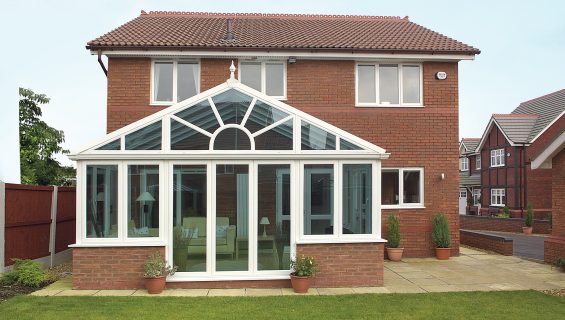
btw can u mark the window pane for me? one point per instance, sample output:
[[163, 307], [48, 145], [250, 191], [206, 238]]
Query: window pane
[[357, 198], [278, 138], [411, 187], [274, 79], [232, 217], [143, 201], [346, 145], [318, 199], [232, 105], [273, 226], [186, 138], [388, 84], [187, 80], [102, 201], [366, 88], [262, 116], [200, 115], [389, 188], [147, 138], [163, 81], [250, 74], [232, 139], [411, 84], [314, 138], [114, 145]]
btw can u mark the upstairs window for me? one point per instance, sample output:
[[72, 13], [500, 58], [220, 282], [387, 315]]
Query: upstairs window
[[463, 164], [174, 81], [478, 161], [389, 84], [497, 197], [497, 158], [267, 76]]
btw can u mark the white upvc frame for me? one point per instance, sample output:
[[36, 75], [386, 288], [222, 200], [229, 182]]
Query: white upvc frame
[[400, 85], [263, 64], [464, 164], [175, 63], [478, 162], [477, 193], [496, 194], [401, 204], [497, 158]]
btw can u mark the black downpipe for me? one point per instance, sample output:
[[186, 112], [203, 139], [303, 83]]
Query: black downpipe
[[102, 63]]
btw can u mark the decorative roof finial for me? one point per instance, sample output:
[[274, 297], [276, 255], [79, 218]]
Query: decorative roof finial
[[232, 70]]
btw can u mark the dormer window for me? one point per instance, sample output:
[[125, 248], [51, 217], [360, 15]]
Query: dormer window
[[463, 164], [174, 81], [268, 77], [388, 85]]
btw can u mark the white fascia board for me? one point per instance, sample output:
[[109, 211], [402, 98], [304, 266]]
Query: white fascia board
[[226, 53], [239, 155], [547, 127], [486, 132], [543, 160]]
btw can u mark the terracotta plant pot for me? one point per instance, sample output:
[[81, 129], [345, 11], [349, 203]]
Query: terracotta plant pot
[[300, 284], [443, 253], [527, 230], [394, 254], [155, 285]]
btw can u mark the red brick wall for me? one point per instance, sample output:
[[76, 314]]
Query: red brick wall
[[501, 224], [555, 244], [487, 242], [110, 267], [346, 265]]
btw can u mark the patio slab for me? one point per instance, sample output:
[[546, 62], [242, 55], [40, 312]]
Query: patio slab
[[226, 292], [290, 292], [335, 291], [186, 292], [72, 293], [253, 292], [115, 293]]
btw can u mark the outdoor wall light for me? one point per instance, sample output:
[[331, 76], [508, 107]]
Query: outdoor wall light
[[442, 176], [291, 60]]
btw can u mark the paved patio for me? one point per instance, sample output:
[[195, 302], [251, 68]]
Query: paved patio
[[472, 271]]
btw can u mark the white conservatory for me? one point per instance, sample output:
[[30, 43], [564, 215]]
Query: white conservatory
[[229, 181]]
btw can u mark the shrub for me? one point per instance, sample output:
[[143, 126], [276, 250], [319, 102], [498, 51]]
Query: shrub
[[303, 266], [506, 211], [26, 273], [393, 231], [156, 267], [440, 233], [559, 263], [529, 215]]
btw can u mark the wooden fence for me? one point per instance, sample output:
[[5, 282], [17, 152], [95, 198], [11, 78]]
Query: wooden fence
[[36, 222]]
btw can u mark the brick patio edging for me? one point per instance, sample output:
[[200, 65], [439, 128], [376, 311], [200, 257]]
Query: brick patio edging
[[477, 239]]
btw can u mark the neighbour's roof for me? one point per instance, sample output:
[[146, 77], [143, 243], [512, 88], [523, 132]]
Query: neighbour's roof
[[517, 127], [203, 30], [548, 107], [469, 180], [471, 143]]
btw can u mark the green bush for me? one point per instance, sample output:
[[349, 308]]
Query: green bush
[[506, 211], [530, 215], [25, 272], [156, 267], [440, 233], [393, 231], [303, 266]]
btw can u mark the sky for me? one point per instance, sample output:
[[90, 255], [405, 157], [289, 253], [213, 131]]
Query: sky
[[43, 49]]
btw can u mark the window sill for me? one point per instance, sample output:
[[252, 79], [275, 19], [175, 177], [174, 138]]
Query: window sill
[[344, 240], [118, 244], [415, 206], [500, 166], [363, 105], [161, 104], [497, 205]]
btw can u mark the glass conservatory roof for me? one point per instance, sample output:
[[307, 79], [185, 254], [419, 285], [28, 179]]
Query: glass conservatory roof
[[230, 119]]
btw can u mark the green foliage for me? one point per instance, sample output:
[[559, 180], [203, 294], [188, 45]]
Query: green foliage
[[25, 272], [502, 215], [440, 233], [559, 262], [303, 266], [506, 211], [39, 143], [156, 266], [393, 231], [529, 215]]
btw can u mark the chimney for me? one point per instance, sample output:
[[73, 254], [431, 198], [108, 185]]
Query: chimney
[[229, 30]]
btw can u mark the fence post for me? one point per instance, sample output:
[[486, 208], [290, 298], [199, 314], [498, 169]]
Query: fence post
[[2, 224], [53, 230]]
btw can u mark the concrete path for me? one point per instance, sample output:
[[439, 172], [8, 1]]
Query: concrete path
[[525, 246], [472, 271]]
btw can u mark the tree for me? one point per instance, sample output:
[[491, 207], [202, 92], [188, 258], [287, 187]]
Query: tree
[[39, 143]]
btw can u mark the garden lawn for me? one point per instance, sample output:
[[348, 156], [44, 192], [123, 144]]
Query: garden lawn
[[461, 305]]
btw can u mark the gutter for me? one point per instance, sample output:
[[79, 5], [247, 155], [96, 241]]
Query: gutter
[[102, 63]]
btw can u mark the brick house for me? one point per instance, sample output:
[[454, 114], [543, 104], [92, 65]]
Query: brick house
[[469, 176], [327, 126], [504, 154]]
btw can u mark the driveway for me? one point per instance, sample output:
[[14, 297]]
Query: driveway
[[524, 246]]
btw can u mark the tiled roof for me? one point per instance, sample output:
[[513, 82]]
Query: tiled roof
[[471, 143], [517, 127], [469, 180], [178, 30], [548, 107]]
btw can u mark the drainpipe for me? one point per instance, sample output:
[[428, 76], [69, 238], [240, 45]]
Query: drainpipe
[[102, 63], [525, 175]]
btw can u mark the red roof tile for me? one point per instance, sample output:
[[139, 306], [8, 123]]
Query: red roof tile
[[168, 30]]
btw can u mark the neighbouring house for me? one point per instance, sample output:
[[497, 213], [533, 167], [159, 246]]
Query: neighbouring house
[[504, 155], [327, 125], [469, 177]]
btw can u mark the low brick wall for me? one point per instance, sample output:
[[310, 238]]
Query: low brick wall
[[346, 265], [498, 244], [554, 247], [110, 267], [501, 224]]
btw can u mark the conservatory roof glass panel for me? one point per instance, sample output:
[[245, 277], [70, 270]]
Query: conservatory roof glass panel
[[232, 105]]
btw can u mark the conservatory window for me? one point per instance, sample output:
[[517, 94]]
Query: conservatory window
[[113, 145], [102, 201], [318, 199], [143, 201], [146, 138], [357, 198]]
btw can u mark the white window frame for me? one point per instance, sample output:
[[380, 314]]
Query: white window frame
[[401, 204], [497, 158], [175, 63], [476, 194], [464, 164], [264, 73], [478, 162], [496, 194], [400, 86]]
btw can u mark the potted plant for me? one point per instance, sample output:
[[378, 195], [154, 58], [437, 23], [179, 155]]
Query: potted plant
[[560, 263], [302, 269], [155, 272], [441, 237], [529, 220], [393, 251]]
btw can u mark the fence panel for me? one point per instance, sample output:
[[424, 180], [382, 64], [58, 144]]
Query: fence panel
[[66, 217]]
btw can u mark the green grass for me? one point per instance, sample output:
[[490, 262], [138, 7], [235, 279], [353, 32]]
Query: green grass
[[464, 305]]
